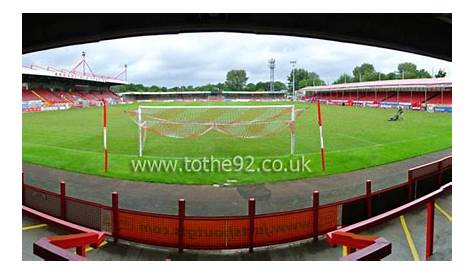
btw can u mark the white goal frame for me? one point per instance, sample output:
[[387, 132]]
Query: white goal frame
[[140, 123]]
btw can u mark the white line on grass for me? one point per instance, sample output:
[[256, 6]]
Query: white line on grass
[[256, 157]]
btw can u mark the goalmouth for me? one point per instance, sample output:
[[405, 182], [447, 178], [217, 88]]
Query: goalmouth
[[247, 122]]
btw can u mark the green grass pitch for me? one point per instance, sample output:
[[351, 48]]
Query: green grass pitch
[[355, 138]]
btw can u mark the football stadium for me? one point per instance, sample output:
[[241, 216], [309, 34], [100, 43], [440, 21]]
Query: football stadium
[[344, 171]]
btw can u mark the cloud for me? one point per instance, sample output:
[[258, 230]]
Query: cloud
[[201, 58]]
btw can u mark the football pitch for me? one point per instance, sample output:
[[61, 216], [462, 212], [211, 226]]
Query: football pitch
[[354, 138]]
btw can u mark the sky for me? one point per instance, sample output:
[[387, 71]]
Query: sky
[[202, 58]]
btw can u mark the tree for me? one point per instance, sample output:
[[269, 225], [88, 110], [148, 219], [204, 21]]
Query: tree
[[407, 70], [410, 71], [391, 76], [407, 67], [423, 74], [154, 89], [364, 72], [236, 79], [261, 86], [299, 74], [130, 87], [119, 89], [441, 73], [207, 87], [278, 86], [344, 78], [304, 78], [220, 86], [310, 82], [250, 87]]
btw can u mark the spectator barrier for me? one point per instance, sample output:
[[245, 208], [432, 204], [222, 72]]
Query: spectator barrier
[[234, 232], [376, 248]]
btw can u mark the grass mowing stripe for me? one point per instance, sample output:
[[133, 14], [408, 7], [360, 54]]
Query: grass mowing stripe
[[256, 157]]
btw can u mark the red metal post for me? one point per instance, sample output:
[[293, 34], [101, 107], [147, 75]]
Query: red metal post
[[182, 214], [251, 211], [320, 118], [429, 228], [440, 173], [106, 161], [368, 197], [81, 250], [23, 188], [315, 215], [350, 250], [410, 186], [62, 187], [115, 218], [323, 160]]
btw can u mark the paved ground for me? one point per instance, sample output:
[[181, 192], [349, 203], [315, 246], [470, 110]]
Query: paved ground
[[307, 250], [416, 226], [208, 200]]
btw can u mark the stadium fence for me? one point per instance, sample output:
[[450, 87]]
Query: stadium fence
[[236, 232]]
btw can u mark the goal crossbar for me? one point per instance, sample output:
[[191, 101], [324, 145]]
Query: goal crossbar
[[214, 107]]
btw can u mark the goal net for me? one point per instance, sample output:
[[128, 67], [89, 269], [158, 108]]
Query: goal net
[[194, 121]]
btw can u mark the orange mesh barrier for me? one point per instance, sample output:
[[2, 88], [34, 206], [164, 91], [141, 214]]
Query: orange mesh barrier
[[230, 231], [327, 219], [216, 233], [89, 214], [283, 227], [148, 228]]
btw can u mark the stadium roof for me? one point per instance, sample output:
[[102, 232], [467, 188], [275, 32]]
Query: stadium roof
[[35, 70], [425, 34], [162, 92], [199, 92], [431, 83], [255, 92]]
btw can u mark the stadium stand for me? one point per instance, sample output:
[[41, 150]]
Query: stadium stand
[[27, 95], [203, 96], [43, 97], [48, 88], [412, 93], [48, 96]]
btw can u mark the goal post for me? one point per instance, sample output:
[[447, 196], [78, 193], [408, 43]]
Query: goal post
[[292, 130], [320, 124], [140, 126], [247, 122], [104, 135]]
